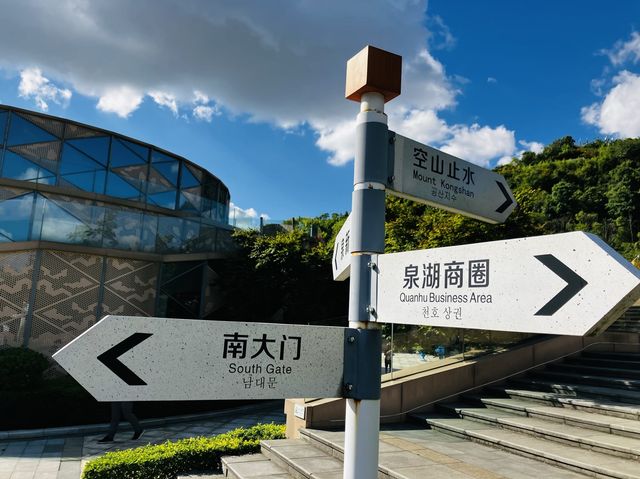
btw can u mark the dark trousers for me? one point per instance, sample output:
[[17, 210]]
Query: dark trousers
[[120, 410]]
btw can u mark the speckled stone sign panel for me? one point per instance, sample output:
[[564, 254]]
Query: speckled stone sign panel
[[568, 284], [180, 359], [427, 175]]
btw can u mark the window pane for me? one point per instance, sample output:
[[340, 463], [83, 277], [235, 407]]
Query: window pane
[[188, 180], [92, 181], [23, 131], [96, 147], [122, 229], [186, 204], [124, 153], [119, 188], [74, 161], [169, 234], [190, 234], [15, 215], [157, 157], [59, 225], [17, 168], [135, 175], [168, 170], [3, 122], [149, 233], [164, 200]]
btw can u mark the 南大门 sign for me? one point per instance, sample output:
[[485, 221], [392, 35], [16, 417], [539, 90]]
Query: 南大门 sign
[[127, 358]]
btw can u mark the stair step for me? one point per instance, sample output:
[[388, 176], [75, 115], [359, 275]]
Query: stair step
[[600, 362], [571, 417], [299, 458], [573, 390], [591, 370], [606, 407], [631, 356], [252, 466], [612, 382], [627, 447], [578, 459]]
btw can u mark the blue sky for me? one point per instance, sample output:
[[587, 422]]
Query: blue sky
[[253, 91]]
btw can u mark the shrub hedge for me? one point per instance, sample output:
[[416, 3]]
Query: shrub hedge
[[21, 368], [167, 460]]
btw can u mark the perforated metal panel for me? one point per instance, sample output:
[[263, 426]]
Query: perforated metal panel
[[16, 272], [130, 287], [47, 124], [66, 299], [75, 131]]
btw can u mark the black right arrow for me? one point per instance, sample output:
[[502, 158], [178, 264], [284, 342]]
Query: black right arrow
[[110, 359], [574, 284], [508, 200]]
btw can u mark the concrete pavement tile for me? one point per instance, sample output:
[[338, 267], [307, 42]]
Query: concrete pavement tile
[[403, 444], [22, 475], [299, 451], [256, 468], [310, 465], [391, 460], [436, 457], [429, 471], [476, 472]]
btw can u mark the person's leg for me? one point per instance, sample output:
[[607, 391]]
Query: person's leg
[[127, 412], [115, 421]]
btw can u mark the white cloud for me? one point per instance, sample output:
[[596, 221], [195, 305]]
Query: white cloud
[[257, 62], [617, 113], [337, 140], [533, 146], [34, 85], [165, 99], [202, 109], [480, 144], [245, 218], [122, 100], [492, 80], [624, 51]]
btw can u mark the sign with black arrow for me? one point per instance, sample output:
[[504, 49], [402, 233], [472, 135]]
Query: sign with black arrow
[[427, 175], [128, 358], [569, 284]]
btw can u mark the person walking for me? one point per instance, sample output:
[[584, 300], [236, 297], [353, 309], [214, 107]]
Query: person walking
[[118, 411]]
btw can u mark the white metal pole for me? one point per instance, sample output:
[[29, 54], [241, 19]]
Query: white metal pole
[[362, 417]]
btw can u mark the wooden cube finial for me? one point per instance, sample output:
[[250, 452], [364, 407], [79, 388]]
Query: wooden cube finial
[[373, 70]]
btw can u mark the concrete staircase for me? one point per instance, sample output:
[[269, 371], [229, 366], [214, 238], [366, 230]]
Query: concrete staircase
[[575, 418], [629, 322], [581, 414]]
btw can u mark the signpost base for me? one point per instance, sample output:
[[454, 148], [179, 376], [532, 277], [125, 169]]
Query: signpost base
[[361, 434]]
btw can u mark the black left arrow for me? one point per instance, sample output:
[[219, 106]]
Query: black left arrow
[[574, 284], [508, 200], [110, 359]]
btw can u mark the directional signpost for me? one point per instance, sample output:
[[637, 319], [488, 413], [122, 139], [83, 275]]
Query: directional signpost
[[341, 263], [127, 358], [570, 283], [424, 174]]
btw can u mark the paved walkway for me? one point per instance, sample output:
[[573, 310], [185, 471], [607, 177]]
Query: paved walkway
[[64, 457]]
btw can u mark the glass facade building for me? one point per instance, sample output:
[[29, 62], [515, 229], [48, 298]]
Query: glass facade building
[[95, 223]]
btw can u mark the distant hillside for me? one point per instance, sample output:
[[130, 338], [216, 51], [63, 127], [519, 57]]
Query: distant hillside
[[593, 187]]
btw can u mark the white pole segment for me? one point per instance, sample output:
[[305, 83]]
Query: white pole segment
[[362, 416]]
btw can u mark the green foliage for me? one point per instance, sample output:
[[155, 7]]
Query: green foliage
[[285, 276], [21, 368], [166, 461]]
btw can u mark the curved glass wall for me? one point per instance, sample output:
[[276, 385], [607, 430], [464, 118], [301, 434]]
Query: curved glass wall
[[48, 151]]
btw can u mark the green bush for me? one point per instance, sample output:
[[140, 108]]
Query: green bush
[[166, 461], [21, 368]]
